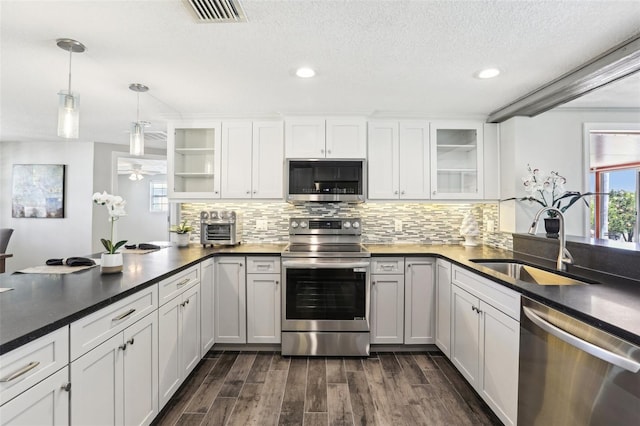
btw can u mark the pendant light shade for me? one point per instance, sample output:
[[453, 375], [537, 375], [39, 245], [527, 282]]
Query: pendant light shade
[[136, 140], [69, 102]]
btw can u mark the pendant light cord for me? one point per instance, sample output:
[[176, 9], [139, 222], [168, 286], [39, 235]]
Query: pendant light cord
[[70, 54]]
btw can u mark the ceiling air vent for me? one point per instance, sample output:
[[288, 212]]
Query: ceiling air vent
[[213, 11]]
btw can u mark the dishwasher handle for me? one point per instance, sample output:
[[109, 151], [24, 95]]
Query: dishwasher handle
[[583, 345]]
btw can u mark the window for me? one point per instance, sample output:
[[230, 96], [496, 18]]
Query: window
[[615, 169], [158, 201]]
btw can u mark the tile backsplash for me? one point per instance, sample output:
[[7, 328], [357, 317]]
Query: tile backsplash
[[425, 223]]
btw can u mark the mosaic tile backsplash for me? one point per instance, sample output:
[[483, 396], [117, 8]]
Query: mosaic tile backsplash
[[423, 223]]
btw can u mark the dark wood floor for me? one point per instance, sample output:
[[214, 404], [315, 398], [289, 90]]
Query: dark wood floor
[[264, 388]]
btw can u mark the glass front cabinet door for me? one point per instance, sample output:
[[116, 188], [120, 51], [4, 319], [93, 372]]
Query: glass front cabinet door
[[193, 151], [456, 160]]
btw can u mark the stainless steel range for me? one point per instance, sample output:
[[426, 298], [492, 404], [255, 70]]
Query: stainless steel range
[[326, 288]]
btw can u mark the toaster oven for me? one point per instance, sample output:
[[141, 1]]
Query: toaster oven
[[220, 227]]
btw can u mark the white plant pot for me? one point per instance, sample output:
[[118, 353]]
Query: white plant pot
[[182, 240], [111, 263]]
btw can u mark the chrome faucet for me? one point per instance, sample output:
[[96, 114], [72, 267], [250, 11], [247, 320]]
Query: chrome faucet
[[564, 257]]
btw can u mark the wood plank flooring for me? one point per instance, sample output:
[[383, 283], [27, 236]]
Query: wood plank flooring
[[265, 388]]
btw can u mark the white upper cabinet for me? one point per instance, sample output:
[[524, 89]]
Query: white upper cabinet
[[315, 137], [398, 160], [456, 160], [346, 138], [491, 155], [252, 159], [193, 153], [267, 161]]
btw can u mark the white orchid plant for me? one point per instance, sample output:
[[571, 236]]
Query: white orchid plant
[[115, 206], [549, 191]]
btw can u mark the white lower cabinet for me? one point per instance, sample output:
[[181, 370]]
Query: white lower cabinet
[[116, 382], [179, 340], [46, 403], [419, 301], [263, 308], [387, 308], [485, 346], [207, 317], [443, 306], [230, 300]]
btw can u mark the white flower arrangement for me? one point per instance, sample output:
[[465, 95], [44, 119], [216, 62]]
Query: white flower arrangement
[[115, 206], [549, 191]]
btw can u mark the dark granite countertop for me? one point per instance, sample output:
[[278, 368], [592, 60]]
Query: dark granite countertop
[[42, 303]]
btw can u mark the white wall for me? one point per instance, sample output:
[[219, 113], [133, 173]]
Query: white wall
[[549, 141], [140, 225], [36, 240]]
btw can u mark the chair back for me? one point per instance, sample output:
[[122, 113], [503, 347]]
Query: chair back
[[5, 235]]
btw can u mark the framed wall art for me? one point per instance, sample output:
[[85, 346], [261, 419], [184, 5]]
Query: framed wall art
[[38, 191]]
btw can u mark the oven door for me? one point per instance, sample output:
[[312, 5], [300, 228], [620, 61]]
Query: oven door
[[325, 294], [217, 233]]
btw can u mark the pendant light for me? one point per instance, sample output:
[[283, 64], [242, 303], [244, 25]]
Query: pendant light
[[68, 102], [136, 140]]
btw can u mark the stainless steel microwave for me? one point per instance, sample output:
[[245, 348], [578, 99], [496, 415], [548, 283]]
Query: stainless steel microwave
[[326, 180]]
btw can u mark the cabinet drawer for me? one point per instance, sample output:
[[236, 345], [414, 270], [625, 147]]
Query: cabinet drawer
[[387, 265], [176, 284], [27, 365], [263, 265], [499, 296], [90, 331]]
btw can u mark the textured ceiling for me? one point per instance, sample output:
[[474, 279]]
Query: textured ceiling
[[379, 58]]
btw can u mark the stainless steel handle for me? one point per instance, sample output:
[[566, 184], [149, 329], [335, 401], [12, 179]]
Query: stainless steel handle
[[21, 372], [66, 387], [583, 345], [183, 282], [248, 192], [123, 347], [328, 151], [395, 192], [124, 315], [185, 303], [402, 192], [255, 192], [130, 341], [386, 267], [320, 265], [322, 151]]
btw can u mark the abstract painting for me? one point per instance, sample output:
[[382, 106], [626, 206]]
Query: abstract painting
[[38, 191]]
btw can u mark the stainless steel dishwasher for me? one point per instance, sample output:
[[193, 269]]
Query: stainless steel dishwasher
[[574, 374]]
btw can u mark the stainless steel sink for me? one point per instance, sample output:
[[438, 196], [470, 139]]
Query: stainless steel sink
[[527, 273]]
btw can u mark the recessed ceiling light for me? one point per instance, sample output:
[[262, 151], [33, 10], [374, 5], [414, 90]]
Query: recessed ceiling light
[[488, 73], [305, 72]]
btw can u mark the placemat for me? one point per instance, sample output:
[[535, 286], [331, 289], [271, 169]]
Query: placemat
[[56, 269]]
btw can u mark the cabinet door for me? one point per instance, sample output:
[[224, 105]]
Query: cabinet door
[[236, 160], [169, 377], [193, 159], [141, 371], [267, 164], [387, 308], [414, 160], [499, 356], [443, 306], [206, 306], [456, 160], [465, 334], [189, 330], [43, 404], [382, 161], [346, 138], [263, 308], [230, 300], [419, 301], [304, 138], [97, 385]]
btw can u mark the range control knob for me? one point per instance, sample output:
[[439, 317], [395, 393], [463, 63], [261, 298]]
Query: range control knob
[[294, 224], [356, 225], [213, 215], [204, 215], [346, 224], [303, 224]]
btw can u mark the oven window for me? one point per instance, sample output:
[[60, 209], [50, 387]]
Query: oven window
[[325, 294], [218, 232]]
